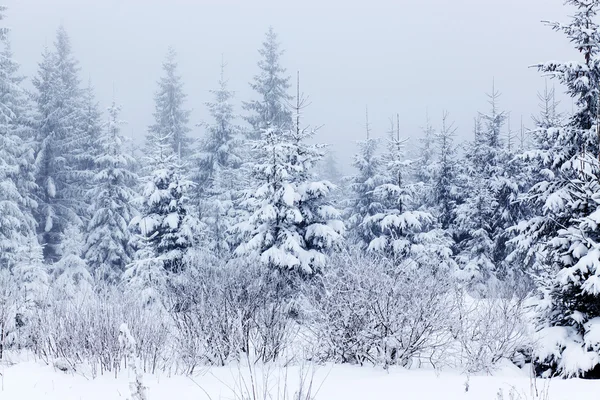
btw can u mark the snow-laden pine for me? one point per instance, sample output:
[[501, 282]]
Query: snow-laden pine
[[271, 107], [108, 243], [291, 225], [165, 227], [59, 136], [171, 118], [17, 180], [217, 170], [561, 239]]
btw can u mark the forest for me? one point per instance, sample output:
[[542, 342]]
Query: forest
[[180, 253]]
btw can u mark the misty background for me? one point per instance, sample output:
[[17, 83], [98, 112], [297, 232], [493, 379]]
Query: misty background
[[408, 57]]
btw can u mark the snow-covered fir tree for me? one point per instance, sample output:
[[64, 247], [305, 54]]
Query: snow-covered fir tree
[[562, 237], [108, 246], [271, 108], [391, 227], [363, 203], [71, 273], [445, 178], [291, 225], [62, 184], [165, 226], [423, 166], [91, 126], [217, 173], [490, 208], [171, 118], [17, 179], [474, 216]]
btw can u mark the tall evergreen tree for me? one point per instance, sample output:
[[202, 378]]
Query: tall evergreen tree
[[17, 180], [363, 203], [165, 226], [424, 166], [391, 228], [60, 138], [291, 225], [108, 246], [271, 86], [474, 216], [170, 117], [562, 236], [91, 126], [217, 172], [445, 180]]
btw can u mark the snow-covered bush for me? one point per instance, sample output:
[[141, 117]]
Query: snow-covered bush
[[384, 312], [85, 330], [10, 311], [223, 311], [489, 330]]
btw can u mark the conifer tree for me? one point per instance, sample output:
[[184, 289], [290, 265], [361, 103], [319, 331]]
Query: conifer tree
[[108, 249], [391, 228], [170, 117], [271, 85], [369, 176], [291, 225], [424, 166], [445, 180], [474, 217], [165, 226], [60, 137], [217, 173], [17, 180], [562, 235]]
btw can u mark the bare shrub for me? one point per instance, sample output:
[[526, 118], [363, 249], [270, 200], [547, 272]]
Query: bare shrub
[[379, 311], [491, 329]]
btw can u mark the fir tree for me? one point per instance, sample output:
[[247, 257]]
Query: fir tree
[[424, 166], [271, 86], [60, 138], [217, 173], [108, 248], [17, 180], [562, 236], [170, 117], [393, 227], [165, 225], [445, 180], [291, 224], [491, 207], [363, 203], [474, 217]]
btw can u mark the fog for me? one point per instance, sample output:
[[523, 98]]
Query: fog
[[408, 57]]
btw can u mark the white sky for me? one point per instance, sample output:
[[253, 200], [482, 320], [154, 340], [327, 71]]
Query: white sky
[[404, 56]]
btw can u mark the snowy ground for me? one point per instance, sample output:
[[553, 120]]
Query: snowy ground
[[31, 380]]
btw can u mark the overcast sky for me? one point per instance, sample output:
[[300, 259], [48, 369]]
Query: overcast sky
[[404, 56]]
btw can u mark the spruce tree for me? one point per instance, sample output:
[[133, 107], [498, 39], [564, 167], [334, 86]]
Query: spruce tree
[[474, 217], [291, 225], [363, 203], [61, 178], [170, 116], [445, 177], [490, 208], [392, 228], [271, 85], [108, 249], [17, 179], [165, 226], [424, 166], [562, 235], [217, 172]]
